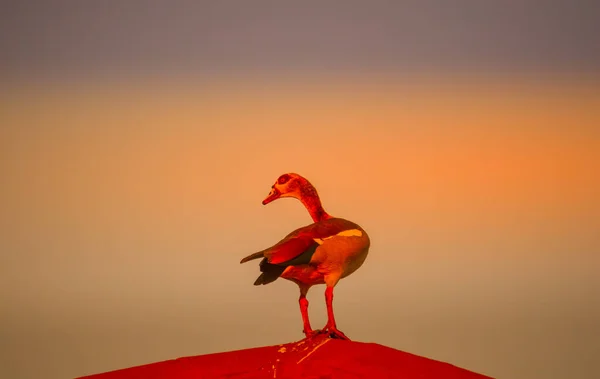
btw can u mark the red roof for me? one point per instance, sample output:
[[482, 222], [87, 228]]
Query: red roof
[[319, 357]]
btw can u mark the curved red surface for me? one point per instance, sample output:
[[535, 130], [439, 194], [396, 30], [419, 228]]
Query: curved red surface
[[319, 357]]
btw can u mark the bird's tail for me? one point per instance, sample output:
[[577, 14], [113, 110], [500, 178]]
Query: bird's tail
[[270, 272], [260, 254]]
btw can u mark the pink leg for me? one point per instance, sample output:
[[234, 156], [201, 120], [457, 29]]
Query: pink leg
[[304, 310], [308, 332], [331, 327]]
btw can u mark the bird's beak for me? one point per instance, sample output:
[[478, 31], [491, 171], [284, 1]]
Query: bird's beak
[[273, 195]]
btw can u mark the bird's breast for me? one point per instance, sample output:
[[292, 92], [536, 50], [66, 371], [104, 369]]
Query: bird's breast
[[307, 274]]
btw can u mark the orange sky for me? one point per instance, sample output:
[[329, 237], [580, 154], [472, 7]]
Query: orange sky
[[481, 199]]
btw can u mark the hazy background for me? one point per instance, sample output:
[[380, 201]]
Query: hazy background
[[138, 140]]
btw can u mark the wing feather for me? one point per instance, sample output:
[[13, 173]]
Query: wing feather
[[299, 246], [290, 250]]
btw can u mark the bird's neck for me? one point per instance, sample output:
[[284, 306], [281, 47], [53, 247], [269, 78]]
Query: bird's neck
[[312, 202]]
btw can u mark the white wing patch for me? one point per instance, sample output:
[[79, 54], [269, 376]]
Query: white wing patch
[[349, 233], [343, 233]]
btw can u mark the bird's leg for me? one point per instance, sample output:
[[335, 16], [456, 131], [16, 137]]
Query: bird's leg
[[308, 332], [304, 310], [331, 327]]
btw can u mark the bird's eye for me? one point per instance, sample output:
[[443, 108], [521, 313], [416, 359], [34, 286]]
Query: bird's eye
[[283, 179]]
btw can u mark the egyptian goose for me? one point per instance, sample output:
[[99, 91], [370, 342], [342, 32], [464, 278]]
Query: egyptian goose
[[320, 253]]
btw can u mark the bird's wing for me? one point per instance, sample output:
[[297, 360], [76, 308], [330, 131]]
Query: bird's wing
[[299, 246], [292, 251]]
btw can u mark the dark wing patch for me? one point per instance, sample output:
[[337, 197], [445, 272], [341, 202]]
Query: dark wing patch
[[290, 249], [302, 259], [270, 272]]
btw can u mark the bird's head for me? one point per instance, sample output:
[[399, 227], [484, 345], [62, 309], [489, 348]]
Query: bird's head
[[287, 185]]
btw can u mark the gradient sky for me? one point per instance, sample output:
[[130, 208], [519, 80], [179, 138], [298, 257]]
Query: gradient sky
[[127, 201], [152, 37]]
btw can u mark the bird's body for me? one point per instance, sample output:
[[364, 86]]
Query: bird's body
[[323, 252], [319, 253]]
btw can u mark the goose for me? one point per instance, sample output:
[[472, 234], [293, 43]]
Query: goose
[[323, 252]]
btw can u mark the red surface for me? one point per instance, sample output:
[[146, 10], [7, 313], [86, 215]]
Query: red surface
[[319, 357]]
